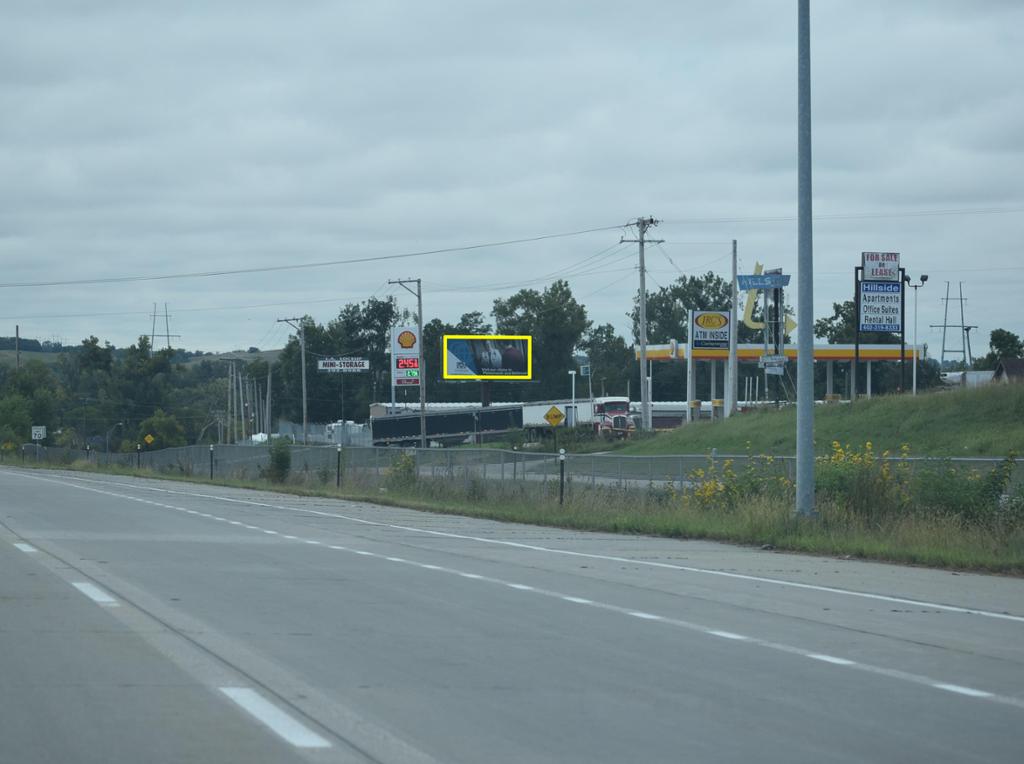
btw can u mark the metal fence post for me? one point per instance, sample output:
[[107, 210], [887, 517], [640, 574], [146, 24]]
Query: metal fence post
[[337, 477], [138, 456], [561, 476], [593, 470], [211, 461], [501, 454]]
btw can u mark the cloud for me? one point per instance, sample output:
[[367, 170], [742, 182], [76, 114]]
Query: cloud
[[149, 138]]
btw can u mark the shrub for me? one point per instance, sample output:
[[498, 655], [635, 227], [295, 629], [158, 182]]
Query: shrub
[[402, 472], [280, 461]]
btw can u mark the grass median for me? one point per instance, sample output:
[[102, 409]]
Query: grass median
[[868, 508]]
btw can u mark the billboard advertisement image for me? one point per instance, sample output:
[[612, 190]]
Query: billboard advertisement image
[[487, 356]]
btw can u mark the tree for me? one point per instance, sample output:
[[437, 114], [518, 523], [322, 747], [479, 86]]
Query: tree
[[612, 362], [1002, 344], [92, 357], [667, 308], [557, 323], [167, 432]]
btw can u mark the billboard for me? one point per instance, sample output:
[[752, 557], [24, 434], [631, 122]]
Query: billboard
[[709, 329], [880, 306], [880, 266], [405, 356], [487, 356]]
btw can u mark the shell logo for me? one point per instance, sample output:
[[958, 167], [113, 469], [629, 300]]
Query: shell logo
[[711, 321], [406, 339]]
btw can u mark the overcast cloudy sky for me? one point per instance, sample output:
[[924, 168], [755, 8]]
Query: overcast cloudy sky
[[142, 138]]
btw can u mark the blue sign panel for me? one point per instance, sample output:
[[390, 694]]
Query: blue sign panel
[[881, 306], [763, 281]]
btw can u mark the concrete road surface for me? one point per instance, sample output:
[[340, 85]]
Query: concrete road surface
[[152, 621]]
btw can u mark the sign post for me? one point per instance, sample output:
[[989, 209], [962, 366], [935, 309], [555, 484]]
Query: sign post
[[341, 365], [880, 305]]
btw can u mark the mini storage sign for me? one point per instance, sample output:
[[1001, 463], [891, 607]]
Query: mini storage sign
[[880, 306], [709, 329]]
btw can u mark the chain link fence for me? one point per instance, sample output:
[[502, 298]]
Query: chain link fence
[[370, 466]]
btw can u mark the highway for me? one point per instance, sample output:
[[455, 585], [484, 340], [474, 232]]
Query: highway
[[156, 621]]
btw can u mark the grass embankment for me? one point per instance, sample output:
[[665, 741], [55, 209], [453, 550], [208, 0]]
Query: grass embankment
[[986, 421], [754, 507]]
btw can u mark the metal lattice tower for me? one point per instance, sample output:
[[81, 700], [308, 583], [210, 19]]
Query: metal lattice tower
[[964, 351]]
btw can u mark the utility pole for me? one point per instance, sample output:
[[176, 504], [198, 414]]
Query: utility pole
[[231, 402], [404, 283], [805, 274], [269, 380], [300, 326], [17, 346], [732, 390], [642, 224]]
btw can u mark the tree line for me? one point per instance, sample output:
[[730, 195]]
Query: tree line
[[95, 393]]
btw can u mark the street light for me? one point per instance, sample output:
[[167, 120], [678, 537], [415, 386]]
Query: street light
[[573, 375], [119, 424], [915, 287]]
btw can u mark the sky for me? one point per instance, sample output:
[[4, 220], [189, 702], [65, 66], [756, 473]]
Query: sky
[[144, 139]]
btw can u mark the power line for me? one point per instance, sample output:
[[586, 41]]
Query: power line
[[299, 266]]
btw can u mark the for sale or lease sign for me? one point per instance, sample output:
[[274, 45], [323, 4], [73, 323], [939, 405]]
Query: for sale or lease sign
[[880, 266]]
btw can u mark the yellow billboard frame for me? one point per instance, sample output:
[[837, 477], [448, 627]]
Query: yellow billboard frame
[[529, 355]]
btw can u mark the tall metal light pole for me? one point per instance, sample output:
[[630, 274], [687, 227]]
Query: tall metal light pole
[[805, 274], [915, 287], [119, 424]]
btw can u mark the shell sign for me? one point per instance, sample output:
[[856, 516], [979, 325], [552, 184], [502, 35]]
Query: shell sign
[[406, 340], [709, 329]]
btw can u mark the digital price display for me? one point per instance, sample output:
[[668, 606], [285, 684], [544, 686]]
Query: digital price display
[[407, 363]]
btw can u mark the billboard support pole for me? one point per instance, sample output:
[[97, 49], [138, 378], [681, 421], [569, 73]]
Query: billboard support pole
[[691, 367], [732, 373], [856, 332]]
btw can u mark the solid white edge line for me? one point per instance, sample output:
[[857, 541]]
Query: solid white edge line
[[831, 659], [645, 616], [27, 548], [94, 593], [588, 555], [728, 635], [961, 690], [277, 721], [578, 600]]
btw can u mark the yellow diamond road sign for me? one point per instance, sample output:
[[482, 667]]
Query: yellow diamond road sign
[[555, 416], [149, 440]]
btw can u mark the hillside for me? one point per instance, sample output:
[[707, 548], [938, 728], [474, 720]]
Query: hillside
[[980, 422]]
